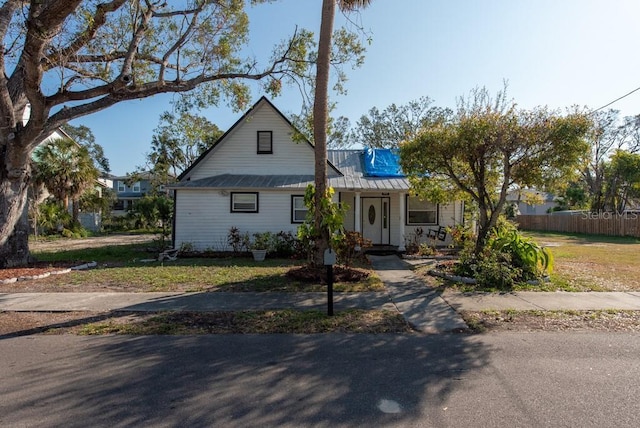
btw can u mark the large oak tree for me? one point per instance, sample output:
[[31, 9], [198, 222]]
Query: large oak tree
[[66, 59]]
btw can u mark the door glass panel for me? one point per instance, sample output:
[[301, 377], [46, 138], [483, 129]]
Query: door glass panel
[[372, 214], [385, 208]]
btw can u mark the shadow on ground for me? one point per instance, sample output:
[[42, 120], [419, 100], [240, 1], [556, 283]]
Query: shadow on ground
[[234, 380]]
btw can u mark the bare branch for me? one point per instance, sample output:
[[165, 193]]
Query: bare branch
[[97, 21], [178, 44]]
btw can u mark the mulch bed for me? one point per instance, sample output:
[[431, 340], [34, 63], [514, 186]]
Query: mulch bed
[[35, 269], [319, 274]]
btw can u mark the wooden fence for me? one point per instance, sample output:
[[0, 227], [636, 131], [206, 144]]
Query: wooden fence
[[611, 224]]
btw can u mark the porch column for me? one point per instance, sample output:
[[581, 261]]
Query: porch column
[[356, 221], [401, 246]]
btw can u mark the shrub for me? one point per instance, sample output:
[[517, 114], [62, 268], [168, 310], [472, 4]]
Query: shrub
[[237, 241], [413, 241], [490, 270], [426, 250], [349, 248], [461, 236], [262, 241], [285, 244], [533, 260]]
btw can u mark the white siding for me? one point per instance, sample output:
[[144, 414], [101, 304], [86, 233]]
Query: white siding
[[237, 153], [203, 217], [449, 215]]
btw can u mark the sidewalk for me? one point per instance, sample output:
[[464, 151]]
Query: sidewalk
[[425, 309]]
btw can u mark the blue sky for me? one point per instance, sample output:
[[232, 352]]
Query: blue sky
[[556, 53]]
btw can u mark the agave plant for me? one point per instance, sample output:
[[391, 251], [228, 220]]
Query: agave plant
[[524, 252]]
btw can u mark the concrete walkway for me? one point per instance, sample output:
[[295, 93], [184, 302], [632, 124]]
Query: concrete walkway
[[425, 309]]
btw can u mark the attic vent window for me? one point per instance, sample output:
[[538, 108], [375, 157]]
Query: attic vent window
[[265, 142]]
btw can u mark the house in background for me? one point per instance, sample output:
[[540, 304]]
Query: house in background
[[254, 178], [128, 192], [531, 201]]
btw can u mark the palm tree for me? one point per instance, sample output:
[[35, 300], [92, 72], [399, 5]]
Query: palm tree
[[66, 170], [321, 112]]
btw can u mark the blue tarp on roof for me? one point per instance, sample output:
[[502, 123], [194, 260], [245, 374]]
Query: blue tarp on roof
[[382, 163]]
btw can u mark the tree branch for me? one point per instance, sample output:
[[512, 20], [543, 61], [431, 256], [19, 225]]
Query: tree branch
[[7, 118], [97, 21]]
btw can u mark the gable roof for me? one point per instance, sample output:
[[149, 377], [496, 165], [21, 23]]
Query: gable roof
[[242, 119]]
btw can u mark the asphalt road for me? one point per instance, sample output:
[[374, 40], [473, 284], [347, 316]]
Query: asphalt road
[[497, 380]]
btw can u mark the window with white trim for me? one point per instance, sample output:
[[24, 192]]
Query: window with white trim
[[298, 209], [121, 186], [244, 202], [136, 187], [421, 212], [265, 142]]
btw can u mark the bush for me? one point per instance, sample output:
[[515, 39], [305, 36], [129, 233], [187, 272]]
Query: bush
[[285, 244], [490, 270], [533, 260], [237, 241], [349, 248], [508, 258]]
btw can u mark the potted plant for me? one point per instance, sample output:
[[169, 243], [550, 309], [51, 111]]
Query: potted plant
[[260, 245]]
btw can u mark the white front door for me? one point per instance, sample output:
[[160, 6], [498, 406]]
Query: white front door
[[375, 220]]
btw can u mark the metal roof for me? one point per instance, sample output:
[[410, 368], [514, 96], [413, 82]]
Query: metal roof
[[349, 162]]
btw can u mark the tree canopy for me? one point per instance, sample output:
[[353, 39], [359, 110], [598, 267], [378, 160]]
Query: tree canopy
[[67, 59], [396, 123], [486, 147], [180, 139]]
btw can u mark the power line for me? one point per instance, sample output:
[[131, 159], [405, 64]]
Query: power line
[[616, 100]]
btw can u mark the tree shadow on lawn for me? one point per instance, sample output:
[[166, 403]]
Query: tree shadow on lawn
[[243, 380]]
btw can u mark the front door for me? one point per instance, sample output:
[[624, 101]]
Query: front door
[[375, 220]]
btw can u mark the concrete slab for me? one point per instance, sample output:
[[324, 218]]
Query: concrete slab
[[488, 301], [549, 301], [581, 301], [198, 302], [420, 306]]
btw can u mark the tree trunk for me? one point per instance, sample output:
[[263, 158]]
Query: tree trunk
[[320, 119], [15, 172], [15, 250]]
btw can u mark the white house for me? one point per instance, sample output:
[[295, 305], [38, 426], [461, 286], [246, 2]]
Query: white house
[[531, 201], [254, 178]]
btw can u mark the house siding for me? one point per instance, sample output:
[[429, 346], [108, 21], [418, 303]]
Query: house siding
[[237, 153], [448, 215], [203, 217]]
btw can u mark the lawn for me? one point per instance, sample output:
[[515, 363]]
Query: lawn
[[582, 263], [120, 269], [593, 263]]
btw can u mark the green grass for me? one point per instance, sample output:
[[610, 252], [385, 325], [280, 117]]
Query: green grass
[[120, 269], [108, 254]]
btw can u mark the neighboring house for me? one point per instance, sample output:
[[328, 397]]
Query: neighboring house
[[127, 192], [531, 201], [254, 178]]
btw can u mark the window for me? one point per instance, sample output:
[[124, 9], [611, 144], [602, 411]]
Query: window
[[298, 209], [421, 212], [265, 142], [136, 187], [121, 186], [244, 202]]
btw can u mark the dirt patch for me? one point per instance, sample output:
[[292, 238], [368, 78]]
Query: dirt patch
[[91, 242], [496, 321]]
